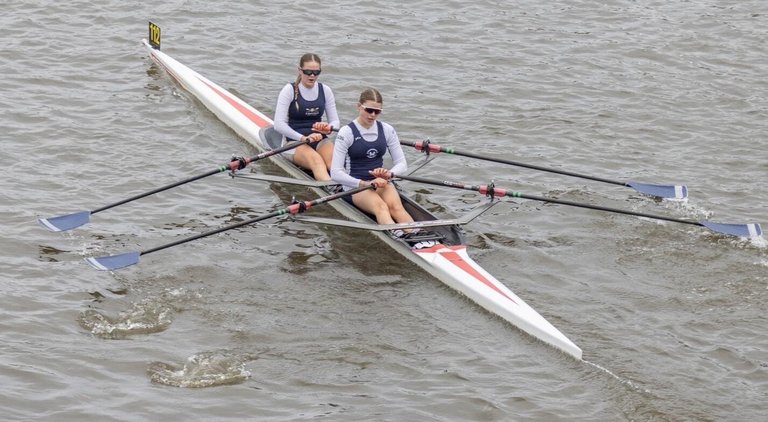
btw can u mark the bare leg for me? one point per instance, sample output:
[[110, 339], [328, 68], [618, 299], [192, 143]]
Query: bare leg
[[326, 151], [309, 159], [371, 202], [394, 204]]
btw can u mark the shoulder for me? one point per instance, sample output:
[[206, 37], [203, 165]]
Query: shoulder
[[287, 89], [344, 138], [387, 128], [328, 94], [344, 134]]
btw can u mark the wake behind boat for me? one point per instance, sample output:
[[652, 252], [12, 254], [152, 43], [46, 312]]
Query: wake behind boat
[[446, 259]]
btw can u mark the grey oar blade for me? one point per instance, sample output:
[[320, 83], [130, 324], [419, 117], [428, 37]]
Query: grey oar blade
[[113, 262], [741, 230], [66, 222], [662, 191]]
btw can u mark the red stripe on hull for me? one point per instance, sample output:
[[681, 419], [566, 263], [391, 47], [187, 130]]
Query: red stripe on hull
[[453, 257], [255, 118]]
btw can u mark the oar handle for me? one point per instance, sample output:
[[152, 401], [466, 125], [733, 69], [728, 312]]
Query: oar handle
[[240, 163]]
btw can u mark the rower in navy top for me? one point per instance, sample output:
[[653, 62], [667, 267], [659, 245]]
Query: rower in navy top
[[358, 161], [365, 155], [298, 117], [304, 113]]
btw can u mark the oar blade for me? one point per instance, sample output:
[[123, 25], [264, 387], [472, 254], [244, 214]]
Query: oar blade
[[751, 230], [662, 191], [114, 262], [66, 222]]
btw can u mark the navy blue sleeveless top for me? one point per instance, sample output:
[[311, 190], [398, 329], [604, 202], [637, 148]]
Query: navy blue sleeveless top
[[365, 156], [308, 113]]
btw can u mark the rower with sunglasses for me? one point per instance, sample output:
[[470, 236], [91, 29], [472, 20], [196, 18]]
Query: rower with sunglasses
[[298, 117], [358, 160]]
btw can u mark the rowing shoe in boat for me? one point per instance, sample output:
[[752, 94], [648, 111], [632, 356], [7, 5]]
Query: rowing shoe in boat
[[446, 259]]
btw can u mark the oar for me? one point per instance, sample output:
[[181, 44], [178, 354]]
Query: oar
[[662, 191], [114, 262], [742, 230], [71, 221]]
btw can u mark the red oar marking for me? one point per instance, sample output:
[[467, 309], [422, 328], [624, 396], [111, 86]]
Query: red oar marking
[[453, 257], [255, 118]]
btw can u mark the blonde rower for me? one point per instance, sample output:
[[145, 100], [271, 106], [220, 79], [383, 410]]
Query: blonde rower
[[358, 161], [299, 113]]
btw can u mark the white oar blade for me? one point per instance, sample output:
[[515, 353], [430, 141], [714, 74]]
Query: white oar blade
[[741, 230], [662, 191], [66, 222], [114, 262]]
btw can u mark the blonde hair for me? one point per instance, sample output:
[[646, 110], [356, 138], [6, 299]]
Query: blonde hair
[[307, 57], [371, 94]]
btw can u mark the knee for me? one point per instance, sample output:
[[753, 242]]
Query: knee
[[396, 208], [380, 208], [316, 160]]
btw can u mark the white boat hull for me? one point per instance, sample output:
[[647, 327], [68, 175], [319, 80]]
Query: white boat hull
[[449, 263]]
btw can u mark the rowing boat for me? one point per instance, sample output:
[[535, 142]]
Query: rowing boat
[[447, 259]]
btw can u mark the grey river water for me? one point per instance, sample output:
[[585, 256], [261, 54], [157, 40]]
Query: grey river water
[[288, 321]]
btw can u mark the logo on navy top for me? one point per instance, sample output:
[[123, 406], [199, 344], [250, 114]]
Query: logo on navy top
[[372, 153], [312, 111]]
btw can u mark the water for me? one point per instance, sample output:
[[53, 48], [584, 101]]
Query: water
[[284, 321]]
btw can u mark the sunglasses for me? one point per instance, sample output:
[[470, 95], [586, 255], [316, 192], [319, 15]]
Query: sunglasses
[[375, 111], [310, 72]]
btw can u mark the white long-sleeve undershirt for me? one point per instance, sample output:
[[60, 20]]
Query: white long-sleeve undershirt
[[344, 139], [285, 98]]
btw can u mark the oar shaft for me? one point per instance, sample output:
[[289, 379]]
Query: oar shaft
[[216, 231], [233, 165], [286, 147], [160, 189], [291, 209], [601, 208], [437, 148], [500, 192]]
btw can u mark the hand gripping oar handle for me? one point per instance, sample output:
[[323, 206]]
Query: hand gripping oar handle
[[114, 262], [663, 191], [71, 221], [742, 230]]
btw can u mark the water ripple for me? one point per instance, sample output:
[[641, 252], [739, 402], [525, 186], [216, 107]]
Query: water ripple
[[204, 369]]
